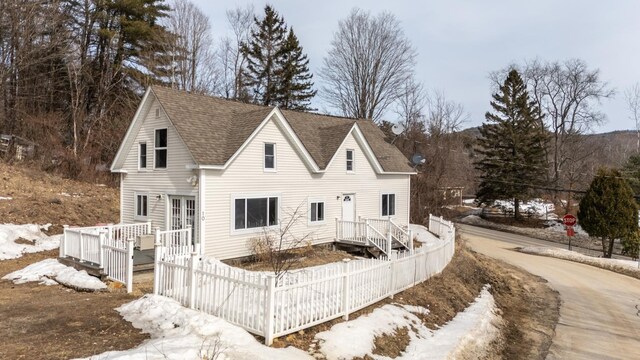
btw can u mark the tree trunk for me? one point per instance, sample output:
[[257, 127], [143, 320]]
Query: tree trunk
[[516, 210], [610, 251]]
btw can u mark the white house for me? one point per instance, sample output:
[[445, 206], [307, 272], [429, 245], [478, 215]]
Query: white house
[[231, 169]]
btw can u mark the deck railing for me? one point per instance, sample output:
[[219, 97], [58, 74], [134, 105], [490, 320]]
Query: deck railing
[[380, 233], [108, 247]]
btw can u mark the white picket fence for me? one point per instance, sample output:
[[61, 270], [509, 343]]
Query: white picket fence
[[271, 306], [109, 247]]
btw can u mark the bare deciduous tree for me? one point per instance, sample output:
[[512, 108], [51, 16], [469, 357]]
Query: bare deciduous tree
[[369, 62], [443, 116], [411, 103], [632, 96], [192, 48], [277, 246], [229, 57]]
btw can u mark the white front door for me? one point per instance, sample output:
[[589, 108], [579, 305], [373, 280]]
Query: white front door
[[182, 213], [348, 207]]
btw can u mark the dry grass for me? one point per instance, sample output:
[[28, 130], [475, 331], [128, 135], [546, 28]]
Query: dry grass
[[303, 257]]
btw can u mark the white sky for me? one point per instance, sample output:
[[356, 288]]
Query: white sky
[[460, 41]]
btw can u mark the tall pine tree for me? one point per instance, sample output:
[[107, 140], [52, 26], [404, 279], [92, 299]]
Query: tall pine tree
[[512, 146], [277, 71]]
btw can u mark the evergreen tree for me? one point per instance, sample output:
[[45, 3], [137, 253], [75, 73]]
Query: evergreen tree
[[512, 146], [276, 72], [295, 88], [631, 170], [608, 211]]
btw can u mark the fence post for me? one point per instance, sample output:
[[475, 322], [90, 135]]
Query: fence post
[[410, 232], [62, 252], [189, 239], [193, 266], [130, 243], [81, 247], [156, 262], [101, 238], [110, 231], [270, 310], [392, 280], [345, 289]]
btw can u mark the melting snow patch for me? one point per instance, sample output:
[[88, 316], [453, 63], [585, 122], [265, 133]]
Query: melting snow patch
[[423, 235], [6, 198], [181, 333], [51, 272], [469, 332], [9, 233], [609, 264]]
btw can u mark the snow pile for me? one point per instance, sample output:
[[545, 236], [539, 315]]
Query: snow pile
[[559, 227], [51, 272], [423, 235], [609, 264], [9, 233], [6, 198], [181, 333], [537, 207], [468, 333]]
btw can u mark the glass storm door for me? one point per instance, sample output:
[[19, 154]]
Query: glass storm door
[[183, 212]]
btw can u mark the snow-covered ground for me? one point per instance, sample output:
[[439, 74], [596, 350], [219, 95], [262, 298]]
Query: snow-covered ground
[[609, 264], [538, 207], [559, 227], [423, 235], [52, 272], [181, 333], [9, 233], [469, 332]]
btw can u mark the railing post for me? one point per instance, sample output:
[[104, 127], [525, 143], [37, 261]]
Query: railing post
[[156, 263], [156, 236], [63, 243], [345, 289], [148, 231], [366, 231], [389, 239], [337, 230], [101, 239], [189, 239], [130, 243], [193, 265], [110, 232], [270, 309], [81, 246]]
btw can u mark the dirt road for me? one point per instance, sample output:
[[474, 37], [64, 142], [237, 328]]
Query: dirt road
[[599, 316]]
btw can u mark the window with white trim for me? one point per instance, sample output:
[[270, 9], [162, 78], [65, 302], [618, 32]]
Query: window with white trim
[[388, 204], [350, 160], [269, 156], [141, 206], [160, 149], [250, 213], [316, 211], [142, 155]]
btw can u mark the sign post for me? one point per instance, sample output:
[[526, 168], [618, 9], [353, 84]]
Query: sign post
[[569, 221]]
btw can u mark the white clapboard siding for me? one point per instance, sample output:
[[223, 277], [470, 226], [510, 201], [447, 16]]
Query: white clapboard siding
[[160, 183], [295, 185]]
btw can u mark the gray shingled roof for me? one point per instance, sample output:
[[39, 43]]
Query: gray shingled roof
[[213, 129]]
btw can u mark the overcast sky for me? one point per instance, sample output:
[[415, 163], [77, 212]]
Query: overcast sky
[[460, 41]]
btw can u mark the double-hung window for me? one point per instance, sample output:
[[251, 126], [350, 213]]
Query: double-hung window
[[142, 155], [253, 213], [388, 204], [316, 211], [160, 149], [269, 157], [350, 160], [141, 206]]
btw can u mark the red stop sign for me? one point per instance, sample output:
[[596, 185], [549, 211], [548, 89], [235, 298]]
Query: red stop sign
[[569, 220]]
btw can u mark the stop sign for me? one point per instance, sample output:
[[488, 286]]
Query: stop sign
[[569, 220]]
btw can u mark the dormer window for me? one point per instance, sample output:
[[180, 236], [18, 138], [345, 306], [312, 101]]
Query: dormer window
[[160, 149], [350, 161], [269, 157]]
